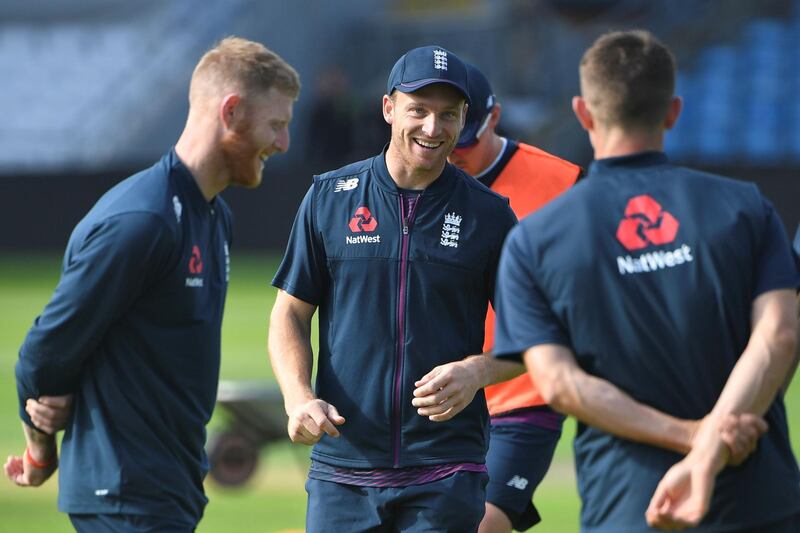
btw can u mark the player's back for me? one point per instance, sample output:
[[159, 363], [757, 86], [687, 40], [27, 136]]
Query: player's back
[[652, 269]]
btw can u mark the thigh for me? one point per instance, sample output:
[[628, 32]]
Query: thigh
[[126, 523], [338, 507], [518, 458], [454, 504]]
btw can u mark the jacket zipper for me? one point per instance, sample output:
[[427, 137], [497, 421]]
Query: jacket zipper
[[406, 221]]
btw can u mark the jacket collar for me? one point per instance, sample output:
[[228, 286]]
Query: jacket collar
[[443, 184]]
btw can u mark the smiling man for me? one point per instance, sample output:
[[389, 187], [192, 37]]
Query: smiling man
[[399, 253], [132, 332]]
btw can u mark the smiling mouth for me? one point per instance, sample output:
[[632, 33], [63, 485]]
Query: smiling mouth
[[428, 145]]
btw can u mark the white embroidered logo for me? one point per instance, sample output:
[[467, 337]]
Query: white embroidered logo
[[346, 185], [176, 204], [227, 261], [451, 230], [440, 59], [518, 482]]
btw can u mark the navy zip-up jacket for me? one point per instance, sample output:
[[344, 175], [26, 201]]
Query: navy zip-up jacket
[[397, 296], [133, 330]]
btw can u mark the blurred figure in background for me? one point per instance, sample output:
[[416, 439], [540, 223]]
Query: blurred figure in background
[[332, 129], [674, 286], [524, 430], [126, 354]]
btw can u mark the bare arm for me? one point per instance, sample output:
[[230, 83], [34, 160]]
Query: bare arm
[[594, 401], [683, 495], [38, 462], [446, 390], [292, 359], [793, 367]]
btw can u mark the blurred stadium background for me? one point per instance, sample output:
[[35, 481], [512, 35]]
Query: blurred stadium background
[[96, 89]]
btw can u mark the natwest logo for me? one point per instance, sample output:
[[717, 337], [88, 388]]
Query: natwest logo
[[645, 224], [196, 261], [363, 221]]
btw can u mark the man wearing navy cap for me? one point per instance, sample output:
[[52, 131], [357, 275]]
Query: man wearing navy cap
[[676, 287], [399, 253]]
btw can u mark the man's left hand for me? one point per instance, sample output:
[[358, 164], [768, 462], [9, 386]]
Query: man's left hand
[[50, 413], [445, 391]]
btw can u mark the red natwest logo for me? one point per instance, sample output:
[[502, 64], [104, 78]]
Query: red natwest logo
[[646, 223], [196, 261], [363, 221]]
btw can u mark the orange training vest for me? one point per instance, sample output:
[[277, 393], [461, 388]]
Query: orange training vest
[[530, 179]]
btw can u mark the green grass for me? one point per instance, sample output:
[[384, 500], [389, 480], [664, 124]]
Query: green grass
[[274, 500]]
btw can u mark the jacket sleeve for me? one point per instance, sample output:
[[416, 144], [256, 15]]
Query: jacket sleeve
[[104, 272], [303, 271]]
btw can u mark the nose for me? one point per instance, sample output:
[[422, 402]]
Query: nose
[[282, 141], [431, 126]]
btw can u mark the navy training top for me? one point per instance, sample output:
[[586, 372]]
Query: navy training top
[[133, 330], [398, 294], [647, 272]]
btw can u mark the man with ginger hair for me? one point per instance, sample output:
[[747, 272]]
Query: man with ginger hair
[[126, 354], [673, 286]]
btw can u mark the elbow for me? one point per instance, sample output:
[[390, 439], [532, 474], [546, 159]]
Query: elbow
[[784, 342], [555, 392]]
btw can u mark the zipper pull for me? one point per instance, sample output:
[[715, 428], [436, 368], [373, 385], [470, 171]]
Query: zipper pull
[[405, 226]]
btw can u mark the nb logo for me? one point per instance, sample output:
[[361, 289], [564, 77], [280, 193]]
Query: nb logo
[[518, 482], [346, 185], [646, 223], [363, 221]]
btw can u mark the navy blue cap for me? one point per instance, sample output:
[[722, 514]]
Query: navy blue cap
[[482, 100], [426, 65]]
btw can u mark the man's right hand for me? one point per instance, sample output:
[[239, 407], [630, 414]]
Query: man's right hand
[[310, 420], [50, 413], [22, 472]]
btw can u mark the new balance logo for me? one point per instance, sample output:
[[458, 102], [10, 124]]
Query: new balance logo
[[346, 185], [451, 230], [440, 59], [518, 482]]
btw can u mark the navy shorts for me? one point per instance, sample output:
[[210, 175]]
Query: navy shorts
[[518, 458], [127, 523], [453, 504]]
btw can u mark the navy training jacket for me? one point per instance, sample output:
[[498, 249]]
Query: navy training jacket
[[133, 330], [397, 296]]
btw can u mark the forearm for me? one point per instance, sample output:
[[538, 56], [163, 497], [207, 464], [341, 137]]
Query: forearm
[[489, 370], [598, 403], [41, 446], [767, 361], [291, 357]]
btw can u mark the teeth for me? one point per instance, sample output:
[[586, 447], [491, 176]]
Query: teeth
[[427, 144]]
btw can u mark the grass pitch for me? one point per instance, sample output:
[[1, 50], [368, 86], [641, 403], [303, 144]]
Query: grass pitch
[[274, 499]]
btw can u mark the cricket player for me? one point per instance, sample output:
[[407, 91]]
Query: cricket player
[[674, 286], [398, 252], [132, 331]]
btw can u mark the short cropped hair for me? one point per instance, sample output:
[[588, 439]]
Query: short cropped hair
[[239, 64], [628, 79]]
